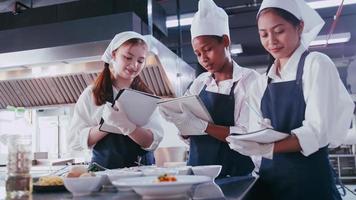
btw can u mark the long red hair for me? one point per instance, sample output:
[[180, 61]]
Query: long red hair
[[102, 90]]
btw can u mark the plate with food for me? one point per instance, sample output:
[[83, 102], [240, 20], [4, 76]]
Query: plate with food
[[49, 184], [155, 187]]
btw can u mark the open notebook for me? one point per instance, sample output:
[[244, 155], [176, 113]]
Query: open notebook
[[266, 135], [138, 106], [192, 102]]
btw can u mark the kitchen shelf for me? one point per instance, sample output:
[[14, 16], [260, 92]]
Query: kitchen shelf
[[344, 165]]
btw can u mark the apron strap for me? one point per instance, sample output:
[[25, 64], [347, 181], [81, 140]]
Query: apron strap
[[233, 88], [300, 69]]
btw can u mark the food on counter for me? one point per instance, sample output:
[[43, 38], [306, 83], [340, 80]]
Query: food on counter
[[76, 171], [95, 167], [166, 178], [50, 181]]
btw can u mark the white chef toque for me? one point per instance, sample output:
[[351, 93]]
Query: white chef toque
[[209, 20], [313, 23]]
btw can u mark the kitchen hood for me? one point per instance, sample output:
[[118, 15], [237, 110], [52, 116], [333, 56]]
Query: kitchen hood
[[51, 64], [58, 75]]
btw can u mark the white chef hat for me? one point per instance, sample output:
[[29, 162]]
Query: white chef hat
[[118, 40], [209, 20], [312, 20]]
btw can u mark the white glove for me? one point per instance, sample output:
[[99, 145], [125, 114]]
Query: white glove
[[265, 123], [165, 113], [249, 148], [116, 117], [186, 122]]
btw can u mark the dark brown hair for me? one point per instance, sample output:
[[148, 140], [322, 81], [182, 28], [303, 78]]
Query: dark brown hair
[[102, 90]]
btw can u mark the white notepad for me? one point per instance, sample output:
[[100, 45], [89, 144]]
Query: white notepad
[[261, 136], [193, 103], [137, 105]]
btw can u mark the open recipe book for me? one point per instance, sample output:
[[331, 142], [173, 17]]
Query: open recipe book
[[192, 102], [266, 135], [138, 106]]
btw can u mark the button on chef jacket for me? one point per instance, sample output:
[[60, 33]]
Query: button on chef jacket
[[87, 115], [329, 107]]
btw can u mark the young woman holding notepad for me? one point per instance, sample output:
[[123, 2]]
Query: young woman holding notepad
[[222, 89], [131, 144], [302, 95]]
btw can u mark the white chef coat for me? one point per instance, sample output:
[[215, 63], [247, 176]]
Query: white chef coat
[[87, 115], [244, 77], [329, 107]]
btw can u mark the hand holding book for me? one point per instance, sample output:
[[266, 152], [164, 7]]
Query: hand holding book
[[186, 122], [115, 116], [136, 106], [249, 148]]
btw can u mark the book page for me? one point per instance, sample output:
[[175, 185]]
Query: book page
[[193, 103], [261, 136]]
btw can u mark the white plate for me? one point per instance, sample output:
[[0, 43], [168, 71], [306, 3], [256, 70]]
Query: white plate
[[148, 187]]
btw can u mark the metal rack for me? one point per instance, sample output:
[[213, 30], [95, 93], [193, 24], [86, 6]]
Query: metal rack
[[344, 165]]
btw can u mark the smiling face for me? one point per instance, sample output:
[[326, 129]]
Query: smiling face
[[211, 52], [129, 60], [278, 35]]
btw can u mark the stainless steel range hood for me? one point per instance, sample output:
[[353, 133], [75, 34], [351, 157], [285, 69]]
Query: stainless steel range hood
[[58, 75], [51, 64]]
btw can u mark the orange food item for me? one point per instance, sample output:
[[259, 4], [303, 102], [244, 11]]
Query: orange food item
[[167, 178]]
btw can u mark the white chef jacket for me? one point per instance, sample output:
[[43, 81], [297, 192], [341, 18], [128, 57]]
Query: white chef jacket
[[87, 115], [244, 77], [329, 107]]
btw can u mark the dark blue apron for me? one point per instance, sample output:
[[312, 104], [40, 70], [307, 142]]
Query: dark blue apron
[[292, 176], [207, 150], [118, 151]]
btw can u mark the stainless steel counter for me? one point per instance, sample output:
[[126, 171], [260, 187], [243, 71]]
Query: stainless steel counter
[[227, 188]]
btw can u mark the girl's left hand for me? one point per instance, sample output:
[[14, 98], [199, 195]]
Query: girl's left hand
[[116, 116]]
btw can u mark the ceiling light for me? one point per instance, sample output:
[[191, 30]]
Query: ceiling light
[[329, 3], [334, 38], [185, 20], [236, 49]]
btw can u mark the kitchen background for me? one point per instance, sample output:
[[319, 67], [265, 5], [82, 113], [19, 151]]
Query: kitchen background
[[50, 51]]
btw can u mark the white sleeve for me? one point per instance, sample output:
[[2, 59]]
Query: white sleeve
[[329, 107], [254, 97], [241, 114], [80, 124], [155, 127]]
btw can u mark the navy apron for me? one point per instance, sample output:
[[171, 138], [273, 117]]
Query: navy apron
[[292, 176], [207, 150], [119, 151]]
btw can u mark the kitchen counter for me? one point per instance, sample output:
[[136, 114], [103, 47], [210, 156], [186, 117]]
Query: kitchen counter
[[227, 188]]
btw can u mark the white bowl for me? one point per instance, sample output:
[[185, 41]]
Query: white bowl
[[116, 174], [80, 186], [212, 171]]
